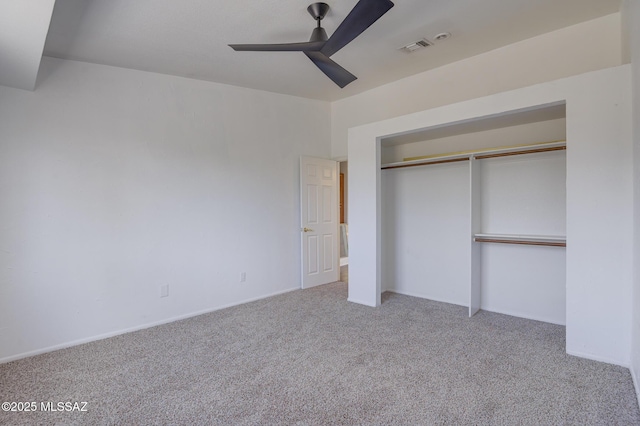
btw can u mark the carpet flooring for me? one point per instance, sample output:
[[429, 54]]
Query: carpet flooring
[[311, 358]]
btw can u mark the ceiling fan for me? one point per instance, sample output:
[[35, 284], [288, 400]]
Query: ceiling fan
[[320, 47]]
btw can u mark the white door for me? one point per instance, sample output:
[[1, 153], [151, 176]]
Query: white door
[[319, 221]]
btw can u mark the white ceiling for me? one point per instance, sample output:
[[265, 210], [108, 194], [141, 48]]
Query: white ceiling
[[189, 37]]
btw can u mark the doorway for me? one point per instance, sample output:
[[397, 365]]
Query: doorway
[[344, 226]]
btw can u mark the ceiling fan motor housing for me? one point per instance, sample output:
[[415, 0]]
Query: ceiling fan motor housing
[[318, 10], [319, 34]]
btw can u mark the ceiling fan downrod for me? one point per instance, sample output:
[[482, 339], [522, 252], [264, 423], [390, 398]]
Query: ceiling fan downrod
[[318, 11]]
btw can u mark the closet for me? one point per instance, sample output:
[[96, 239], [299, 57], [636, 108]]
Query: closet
[[477, 216]]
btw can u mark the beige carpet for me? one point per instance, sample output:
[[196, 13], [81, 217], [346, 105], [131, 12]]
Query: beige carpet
[[311, 358]]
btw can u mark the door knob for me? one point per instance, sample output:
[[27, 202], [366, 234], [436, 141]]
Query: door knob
[[307, 230]]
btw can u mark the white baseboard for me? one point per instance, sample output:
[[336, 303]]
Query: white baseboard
[[423, 296], [521, 315], [136, 328], [360, 302], [497, 311], [598, 358]]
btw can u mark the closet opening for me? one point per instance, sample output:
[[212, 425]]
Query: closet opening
[[474, 213]]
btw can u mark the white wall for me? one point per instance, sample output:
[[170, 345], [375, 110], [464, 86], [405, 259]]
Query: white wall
[[632, 16], [599, 216], [599, 201], [425, 229], [588, 46], [115, 182], [524, 281], [526, 195]]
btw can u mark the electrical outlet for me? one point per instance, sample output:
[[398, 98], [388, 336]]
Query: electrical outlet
[[164, 290], [243, 277]]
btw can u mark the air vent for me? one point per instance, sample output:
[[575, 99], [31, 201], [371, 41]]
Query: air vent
[[416, 45]]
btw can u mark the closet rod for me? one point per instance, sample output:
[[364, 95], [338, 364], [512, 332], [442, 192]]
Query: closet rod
[[528, 151], [521, 242], [400, 166]]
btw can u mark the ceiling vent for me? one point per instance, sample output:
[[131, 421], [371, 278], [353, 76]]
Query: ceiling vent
[[416, 45]]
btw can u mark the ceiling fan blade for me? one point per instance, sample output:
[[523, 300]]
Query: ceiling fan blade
[[306, 46], [361, 17], [335, 72]]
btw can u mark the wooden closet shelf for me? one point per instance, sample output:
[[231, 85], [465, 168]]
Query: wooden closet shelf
[[530, 240], [526, 151]]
